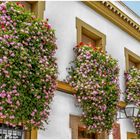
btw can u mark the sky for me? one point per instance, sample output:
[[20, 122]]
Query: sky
[[133, 5]]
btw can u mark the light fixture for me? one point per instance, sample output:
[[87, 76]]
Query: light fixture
[[129, 111], [132, 111]]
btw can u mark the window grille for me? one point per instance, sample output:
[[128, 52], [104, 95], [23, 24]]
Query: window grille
[[9, 132]]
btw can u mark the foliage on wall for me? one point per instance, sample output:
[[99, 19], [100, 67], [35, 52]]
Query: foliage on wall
[[133, 92], [28, 69], [94, 75], [137, 126], [133, 86]]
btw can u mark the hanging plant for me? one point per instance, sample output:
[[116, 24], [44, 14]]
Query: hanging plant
[[137, 126], [94, 75], [133, 86], [133, 92], [28, 69]]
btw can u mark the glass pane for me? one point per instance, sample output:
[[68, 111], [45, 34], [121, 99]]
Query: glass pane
[[129, 111], [136, 111], [121, 114], [88, 40], [82, 134]]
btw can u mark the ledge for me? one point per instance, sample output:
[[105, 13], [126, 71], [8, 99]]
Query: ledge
[[66, 88], [62, 86]]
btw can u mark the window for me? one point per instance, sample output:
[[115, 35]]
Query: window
[[88, 34], [82, 134], [131, 59], [79, 130], [37, 7], [8, 132]]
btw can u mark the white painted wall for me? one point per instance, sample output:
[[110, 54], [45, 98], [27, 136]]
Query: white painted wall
[[62, 16], [62, 106]]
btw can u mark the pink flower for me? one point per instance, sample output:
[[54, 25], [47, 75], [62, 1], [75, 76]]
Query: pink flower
[[12, 54], [3, 116], [7, 122], [1, 61], [1, 108], [18, 103], [33, 113], [14, 91], [12, 117], [38, 97], [103, 107]]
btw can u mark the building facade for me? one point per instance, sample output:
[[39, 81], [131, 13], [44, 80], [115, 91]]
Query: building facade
[[103, 22], [110, 25]]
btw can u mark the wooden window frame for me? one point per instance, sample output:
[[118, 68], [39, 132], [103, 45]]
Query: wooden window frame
[[131, 135], [75, 123], [91, 32], [37, 7], [131, 56]]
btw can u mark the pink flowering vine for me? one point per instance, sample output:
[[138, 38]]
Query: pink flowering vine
[[28, 68], [95, 77], [132, 93]]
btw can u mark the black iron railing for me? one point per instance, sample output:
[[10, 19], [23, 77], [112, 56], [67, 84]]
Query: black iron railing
[[9, 132]]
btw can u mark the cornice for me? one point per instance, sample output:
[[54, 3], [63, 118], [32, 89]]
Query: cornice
[[124, 5], [121, 14], [115, 15]]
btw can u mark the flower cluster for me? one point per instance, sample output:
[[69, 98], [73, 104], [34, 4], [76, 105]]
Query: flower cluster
[[136, 122], [133, 86], [28, 68], [94, 75], [133, 92]]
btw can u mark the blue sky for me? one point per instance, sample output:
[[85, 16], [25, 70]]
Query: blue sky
[[133, 5]]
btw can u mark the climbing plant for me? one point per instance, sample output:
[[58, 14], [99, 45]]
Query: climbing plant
[[95, 77], [132, 92], [28, 68]]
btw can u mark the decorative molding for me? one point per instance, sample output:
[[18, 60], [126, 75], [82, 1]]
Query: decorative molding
[[115, 15], [124, 5], [84, 28]]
